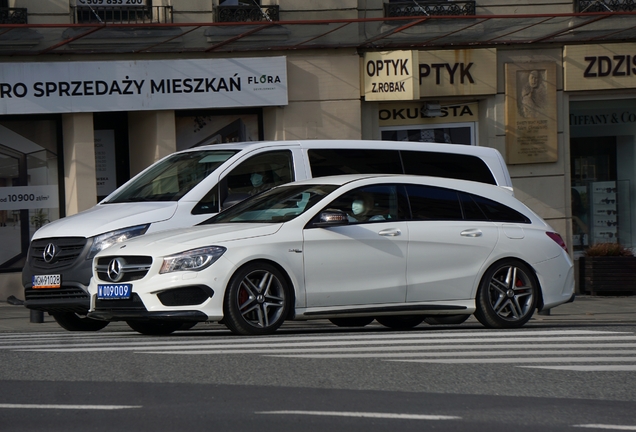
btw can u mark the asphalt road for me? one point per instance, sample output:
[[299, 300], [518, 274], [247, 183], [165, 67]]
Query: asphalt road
[[571, 370]]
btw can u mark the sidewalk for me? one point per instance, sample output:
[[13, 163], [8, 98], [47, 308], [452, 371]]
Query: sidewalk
[[585, 310]]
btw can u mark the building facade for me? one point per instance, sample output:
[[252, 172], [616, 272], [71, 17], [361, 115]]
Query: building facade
[[92, 92]]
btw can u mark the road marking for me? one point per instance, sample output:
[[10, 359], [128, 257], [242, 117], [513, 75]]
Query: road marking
[[588, 368], [524, 360], [142, 345], [68, 407], [404, 351], [603, 426], [364, 414]]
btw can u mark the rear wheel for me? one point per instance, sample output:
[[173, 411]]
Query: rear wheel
[[507, 295], [257, 300], [351, 321], [72, 322], [155, 328], [400, 322], [446, 319]]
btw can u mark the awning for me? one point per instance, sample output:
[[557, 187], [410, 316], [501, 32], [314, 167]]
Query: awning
[[449, 32]]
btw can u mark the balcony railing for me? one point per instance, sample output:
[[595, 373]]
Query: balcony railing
[[605, 5], [432, 8], [122, 14], [247, 13], [13, 16]]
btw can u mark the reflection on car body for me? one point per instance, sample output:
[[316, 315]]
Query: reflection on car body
[[398, 249]]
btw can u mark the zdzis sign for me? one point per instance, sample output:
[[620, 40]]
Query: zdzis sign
[[599, 67], [390, 76]]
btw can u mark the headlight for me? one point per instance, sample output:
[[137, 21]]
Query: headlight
[[108, 239], [192, 260]]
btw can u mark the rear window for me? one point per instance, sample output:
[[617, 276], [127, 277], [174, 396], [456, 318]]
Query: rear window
[[326, 162], [447, 165], [498, 212]]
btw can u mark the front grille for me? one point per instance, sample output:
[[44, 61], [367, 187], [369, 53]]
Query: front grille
[[54, 293], [134, 303], [68, 249], [131, 268], [185, 296]]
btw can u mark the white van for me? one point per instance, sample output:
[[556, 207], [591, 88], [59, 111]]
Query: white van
[[188, 187]]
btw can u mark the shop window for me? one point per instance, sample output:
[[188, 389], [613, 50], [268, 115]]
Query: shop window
[[29, 184], [451, 133], [204, 127], [600, 201]]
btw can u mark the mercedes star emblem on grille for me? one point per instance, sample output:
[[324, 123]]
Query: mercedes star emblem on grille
[[115, 270], [49, 252]]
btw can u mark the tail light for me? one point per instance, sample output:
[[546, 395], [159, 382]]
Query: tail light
[[558, 239]]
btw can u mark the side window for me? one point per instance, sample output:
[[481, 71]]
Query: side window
[[433, 203], [257, 174], [470, 209], [325, 162], [448, 165], [375, 203], [260, 173], [498, 212]]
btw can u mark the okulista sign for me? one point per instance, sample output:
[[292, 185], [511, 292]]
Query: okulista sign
[[27, 88]]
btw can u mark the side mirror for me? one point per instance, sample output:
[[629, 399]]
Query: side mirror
[[329, 218]]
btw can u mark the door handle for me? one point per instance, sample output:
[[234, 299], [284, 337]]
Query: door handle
[[471, 233], [390, 232]]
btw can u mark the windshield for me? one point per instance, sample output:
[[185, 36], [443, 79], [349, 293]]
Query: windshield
[[173, 177], [277, 205]]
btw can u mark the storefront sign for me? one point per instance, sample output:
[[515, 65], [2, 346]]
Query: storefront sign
[[390, 76], [29, 197], [405, 113], [457, 72], [531, 113], [51, 87], [603, 117], [599, 67]]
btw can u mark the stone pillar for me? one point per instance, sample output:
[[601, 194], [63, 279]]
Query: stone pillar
[[79, 162], [152, 135]]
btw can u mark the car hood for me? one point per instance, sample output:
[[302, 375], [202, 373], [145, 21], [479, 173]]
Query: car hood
[[107, 217], [178, 240]]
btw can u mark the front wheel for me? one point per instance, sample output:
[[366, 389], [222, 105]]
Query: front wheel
[[155, 328], [507, 295], [257, 300], [72, 322]]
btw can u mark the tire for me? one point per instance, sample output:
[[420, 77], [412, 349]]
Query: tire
[[400, 322], [507, 295], [72, 322], [257, 300], [155, 327], [446, 319], [351, 321]]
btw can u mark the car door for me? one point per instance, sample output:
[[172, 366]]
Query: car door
[[363, 262], [448, 244]]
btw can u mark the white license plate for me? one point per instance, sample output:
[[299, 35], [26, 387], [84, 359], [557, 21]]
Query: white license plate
[[114, 291], [46, 281]]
